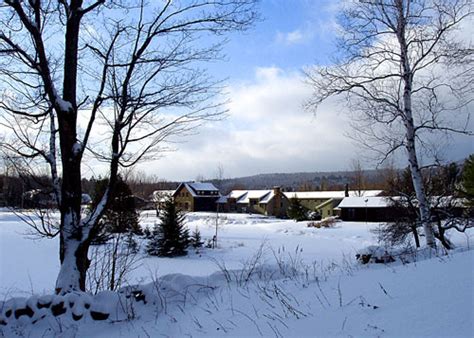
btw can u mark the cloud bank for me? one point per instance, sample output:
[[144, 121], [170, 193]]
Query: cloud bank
[[267, 130]]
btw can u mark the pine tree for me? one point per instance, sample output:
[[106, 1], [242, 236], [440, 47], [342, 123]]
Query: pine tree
[[296, 210], [121, 215], [196, 240], [131, 244], [467, 180], [170, 237]]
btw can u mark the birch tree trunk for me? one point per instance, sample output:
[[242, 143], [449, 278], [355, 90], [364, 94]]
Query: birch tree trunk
[[408, 121]]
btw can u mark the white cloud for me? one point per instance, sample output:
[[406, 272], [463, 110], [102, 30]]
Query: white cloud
[[291, 38], [267, 131], [265, 74]]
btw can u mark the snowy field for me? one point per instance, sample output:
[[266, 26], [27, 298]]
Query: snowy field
[[267, 277], [30, 265]]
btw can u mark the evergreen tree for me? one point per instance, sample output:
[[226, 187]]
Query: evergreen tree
[[121, 215], [170, 237], [467, 180], [296, 210], [132, 244], [196, 240]]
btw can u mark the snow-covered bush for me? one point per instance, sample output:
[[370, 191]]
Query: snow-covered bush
[[328, 222], [374, 254], [314, 216]]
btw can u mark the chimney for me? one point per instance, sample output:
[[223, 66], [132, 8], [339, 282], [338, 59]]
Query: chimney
[[346, 191], [277, 190]]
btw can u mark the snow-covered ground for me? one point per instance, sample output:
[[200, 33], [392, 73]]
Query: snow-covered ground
[[305, 282], [31, 265]]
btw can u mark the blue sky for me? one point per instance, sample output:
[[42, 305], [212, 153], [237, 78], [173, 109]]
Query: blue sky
[[291, 33], [267, 129]]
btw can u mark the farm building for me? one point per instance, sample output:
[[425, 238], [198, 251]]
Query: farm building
[[196, 196], [271, 202], [325, 202], [366, 209]]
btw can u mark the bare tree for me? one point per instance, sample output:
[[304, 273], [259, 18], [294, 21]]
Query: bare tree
[[219, 175], [219, 172], [359, 180], [406, 74], [106, 80]]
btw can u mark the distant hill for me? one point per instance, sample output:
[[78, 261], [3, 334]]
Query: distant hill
[[303, 181], [335, 180], [306, 181]]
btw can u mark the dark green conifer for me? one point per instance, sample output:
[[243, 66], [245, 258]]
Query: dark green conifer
[[296, 210], [196, 240], [170, 237]]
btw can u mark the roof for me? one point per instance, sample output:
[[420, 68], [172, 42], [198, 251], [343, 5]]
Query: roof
[[364, 202], [326, 202], [162, 195], [267, 198], [330, 194], [199, 186], [244, 196], [236, 194], [196, 188], [384, 202], [253, 194], [222, 200]]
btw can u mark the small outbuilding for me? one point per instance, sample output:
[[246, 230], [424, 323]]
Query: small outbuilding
[[367, 209]]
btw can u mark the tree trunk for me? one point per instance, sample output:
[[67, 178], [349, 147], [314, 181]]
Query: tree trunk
[[73, 255], [423, 203], [407, 78], [74, 241], [441, 235], [415, 235]]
